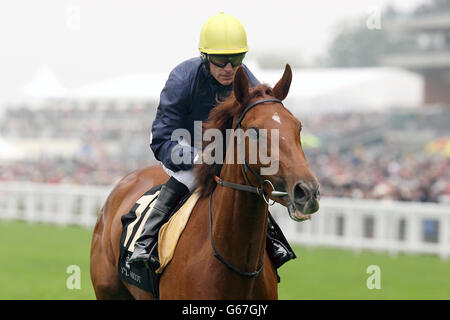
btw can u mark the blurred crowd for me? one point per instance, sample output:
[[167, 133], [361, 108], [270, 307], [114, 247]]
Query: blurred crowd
[[64, 170], [409, 177], [357, 155], [382, 156]]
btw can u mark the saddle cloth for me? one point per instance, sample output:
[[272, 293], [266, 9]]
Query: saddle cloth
[[171, 231], [133, 223]]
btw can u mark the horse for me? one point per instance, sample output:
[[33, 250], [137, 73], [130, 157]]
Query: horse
[[221, 253]]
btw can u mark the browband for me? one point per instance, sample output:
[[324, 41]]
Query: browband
[[238, 122]]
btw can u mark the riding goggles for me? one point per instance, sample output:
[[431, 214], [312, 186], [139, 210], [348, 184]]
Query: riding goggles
[[221, 61]]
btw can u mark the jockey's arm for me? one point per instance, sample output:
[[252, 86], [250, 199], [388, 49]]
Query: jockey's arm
[[169, 117]]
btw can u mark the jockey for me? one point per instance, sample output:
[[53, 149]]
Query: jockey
[[193, 88]]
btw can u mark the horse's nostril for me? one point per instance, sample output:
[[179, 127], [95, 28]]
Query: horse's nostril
[[300, 193]]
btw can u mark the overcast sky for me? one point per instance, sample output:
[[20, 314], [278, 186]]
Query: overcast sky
[[90, 40]]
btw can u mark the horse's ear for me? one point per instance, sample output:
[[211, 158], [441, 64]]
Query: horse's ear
[[281, 89], [240, 85]]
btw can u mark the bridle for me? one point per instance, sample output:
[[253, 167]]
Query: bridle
[[248, 188], [246, 168]]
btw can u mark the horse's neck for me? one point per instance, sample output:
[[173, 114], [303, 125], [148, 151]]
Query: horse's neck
[[239, 222]]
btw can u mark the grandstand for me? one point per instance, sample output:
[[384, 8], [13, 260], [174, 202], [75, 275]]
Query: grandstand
[[427, 53]]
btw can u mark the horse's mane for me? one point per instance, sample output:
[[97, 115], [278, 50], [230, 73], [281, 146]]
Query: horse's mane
[[221, 118]]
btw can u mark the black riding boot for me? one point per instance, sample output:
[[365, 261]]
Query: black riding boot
[[169, 197], [278, 247]]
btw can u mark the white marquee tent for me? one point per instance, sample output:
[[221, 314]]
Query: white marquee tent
[[345, 89], [312, 90], [44, 84]]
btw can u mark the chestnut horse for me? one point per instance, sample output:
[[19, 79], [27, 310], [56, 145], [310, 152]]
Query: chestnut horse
[[221, 253]]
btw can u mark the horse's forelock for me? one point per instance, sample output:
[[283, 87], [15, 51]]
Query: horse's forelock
[[221, 118]]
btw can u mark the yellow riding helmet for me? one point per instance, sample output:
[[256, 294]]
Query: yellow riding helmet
[[223, 34]]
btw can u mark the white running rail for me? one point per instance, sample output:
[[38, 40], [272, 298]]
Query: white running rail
[[391, 226]]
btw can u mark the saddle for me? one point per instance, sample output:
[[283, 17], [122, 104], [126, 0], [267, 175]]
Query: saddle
[[168, 236]]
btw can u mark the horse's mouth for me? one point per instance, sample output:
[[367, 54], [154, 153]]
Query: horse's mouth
[[299, 209], [301, 212], [302, 216], [311, 206]]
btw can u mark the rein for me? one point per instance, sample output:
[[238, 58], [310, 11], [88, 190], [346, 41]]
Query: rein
[[221, 259], [247, 188]]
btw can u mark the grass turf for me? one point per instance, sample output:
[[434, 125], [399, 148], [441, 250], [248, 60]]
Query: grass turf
[[34, 259]]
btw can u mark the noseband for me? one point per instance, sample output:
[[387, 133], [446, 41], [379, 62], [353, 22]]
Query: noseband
[[248, 188]]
